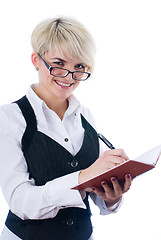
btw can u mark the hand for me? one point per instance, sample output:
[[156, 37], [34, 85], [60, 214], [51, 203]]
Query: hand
[[112, 196], [106, 161]]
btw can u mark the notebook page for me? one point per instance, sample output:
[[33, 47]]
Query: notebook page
[[151, 156]]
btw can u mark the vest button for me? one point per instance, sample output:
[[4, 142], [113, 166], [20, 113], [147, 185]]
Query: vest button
[[66, 139], [74, 163], [70, 222]]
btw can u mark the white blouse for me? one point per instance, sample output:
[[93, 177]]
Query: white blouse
[[19, 191]]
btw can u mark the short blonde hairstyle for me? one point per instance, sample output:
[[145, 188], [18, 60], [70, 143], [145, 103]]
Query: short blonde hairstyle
[[66, 35]]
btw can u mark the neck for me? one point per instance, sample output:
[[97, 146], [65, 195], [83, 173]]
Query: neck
[[59, 106]]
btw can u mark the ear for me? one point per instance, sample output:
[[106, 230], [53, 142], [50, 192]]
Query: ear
[[35, 60]]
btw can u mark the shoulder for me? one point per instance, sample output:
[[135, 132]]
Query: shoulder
[[11, 117], [10, 111]]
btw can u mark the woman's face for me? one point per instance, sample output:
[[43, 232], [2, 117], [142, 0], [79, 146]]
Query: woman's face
[[57, 87]]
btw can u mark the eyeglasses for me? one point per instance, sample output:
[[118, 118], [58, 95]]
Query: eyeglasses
[[62, 72]]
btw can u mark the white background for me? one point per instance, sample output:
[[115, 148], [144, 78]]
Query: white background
[[123, 94]]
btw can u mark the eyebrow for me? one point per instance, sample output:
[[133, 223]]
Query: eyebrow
[[64, 61], [60, 59]]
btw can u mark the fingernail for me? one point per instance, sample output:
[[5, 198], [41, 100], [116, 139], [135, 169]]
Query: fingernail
[[103, 183], [113, 179], [93, 189], [128, 176]]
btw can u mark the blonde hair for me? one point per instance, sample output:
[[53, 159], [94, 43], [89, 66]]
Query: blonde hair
[[66, 35]]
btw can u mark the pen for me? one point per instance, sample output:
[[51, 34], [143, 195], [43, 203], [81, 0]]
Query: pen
[[105, 141]]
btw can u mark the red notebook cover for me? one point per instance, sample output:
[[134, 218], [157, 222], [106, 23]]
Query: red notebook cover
[[133, 167]]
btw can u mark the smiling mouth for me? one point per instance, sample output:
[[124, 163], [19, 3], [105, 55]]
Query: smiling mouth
[[64, 84]]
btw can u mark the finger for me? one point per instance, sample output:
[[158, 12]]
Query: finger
[[119, 153], [116, 186], [99, 192], [128, 182], [108, 190], [113, 162], [117, 160], [114, 159]]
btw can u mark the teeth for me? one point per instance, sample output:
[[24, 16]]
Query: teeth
[[64, 84]]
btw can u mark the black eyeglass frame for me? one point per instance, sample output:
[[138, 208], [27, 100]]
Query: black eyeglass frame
[[50, 68]]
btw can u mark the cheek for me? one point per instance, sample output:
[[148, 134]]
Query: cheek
[[76, 84], [44, 76]]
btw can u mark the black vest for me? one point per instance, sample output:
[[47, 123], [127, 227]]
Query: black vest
[[47, 160]]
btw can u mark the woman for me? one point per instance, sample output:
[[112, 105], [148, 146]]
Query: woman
[[48, 143]]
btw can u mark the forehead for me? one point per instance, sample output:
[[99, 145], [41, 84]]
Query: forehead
[[62, 55]]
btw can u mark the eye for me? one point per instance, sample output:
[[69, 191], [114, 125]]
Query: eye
[[59, 63], [80, 67]]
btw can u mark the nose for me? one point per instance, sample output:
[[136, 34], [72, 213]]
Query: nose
[[69, 77]]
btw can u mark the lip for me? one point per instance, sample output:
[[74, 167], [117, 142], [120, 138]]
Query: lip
[[63, 84]]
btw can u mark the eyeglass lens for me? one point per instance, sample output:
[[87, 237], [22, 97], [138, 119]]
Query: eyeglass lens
[[63, 73]]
